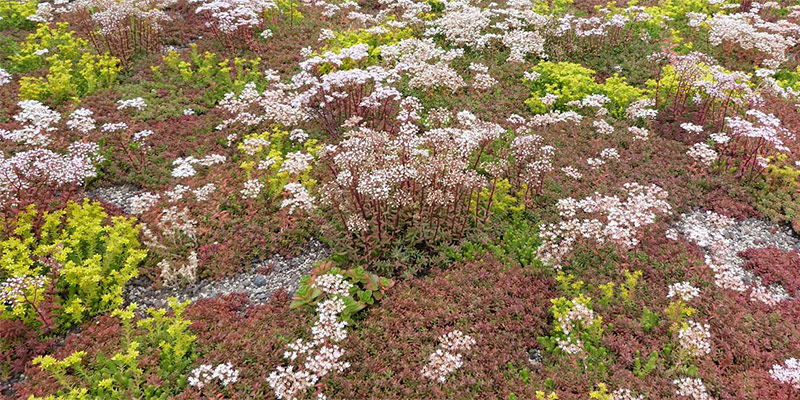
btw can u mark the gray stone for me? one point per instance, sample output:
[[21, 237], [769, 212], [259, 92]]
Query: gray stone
[[259, 288]]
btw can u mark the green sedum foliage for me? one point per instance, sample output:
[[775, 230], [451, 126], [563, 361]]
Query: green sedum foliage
[[83, 261], [126, 374], [788, 78], [72, 71], [367, 288], [384, 35], [14, 14], [272, 148], [572, 82], [208, 72]]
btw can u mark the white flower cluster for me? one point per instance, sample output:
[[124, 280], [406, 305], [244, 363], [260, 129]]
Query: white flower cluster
[[572, 172], [81, 120], [683, 290], [41, 167], [14, 289], [609, 154], [609, 219], [749, 31], [579, 315], [709, 86], [425, 63], [114, 127], [187, 273], [532, 159], [230, 15], [639, 134], [252, 188], [409, 173], [204, 192], [641, 109], [321, 355], [692, 388], [766, 127], [461, 23], [696, 18], [205, 374], [692, 128], [175, 221], [789, 373], [44, 12], [482, 80], [595, 163], [140, 136], [37, 119], [722, 239], [176, 193], [603, 127], [625, 394], [333, 284], [555, 117], [140, 203], [449, 356], [591, 27], [517, 27], [113, 16], [5, 77], [137, 103], [184, 167], [694, 338], [521, 43], [297, 163], [702, 153]]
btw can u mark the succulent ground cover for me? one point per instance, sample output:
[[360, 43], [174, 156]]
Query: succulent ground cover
[[414, 199]]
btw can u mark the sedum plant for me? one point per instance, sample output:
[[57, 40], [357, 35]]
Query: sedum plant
[[72, 71], [14, 14], [374, 38], [277, 157], [128, 374], [365, 288], [59, 268], [571, 82], [208, 72]]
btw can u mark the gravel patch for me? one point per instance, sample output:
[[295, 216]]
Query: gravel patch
[[721, 238], [119, 196], [285, 273]]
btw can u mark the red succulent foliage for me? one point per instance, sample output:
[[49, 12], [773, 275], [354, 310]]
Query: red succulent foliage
[[251, 337], [20, 343], [774, 266], [721, 203], [100, 335], [504, 308]]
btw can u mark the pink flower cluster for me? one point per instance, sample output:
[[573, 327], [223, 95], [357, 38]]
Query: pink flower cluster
[[788, 374], [28, 173], [609, 219], [381, 184], [321, 355], [205, 374], [449, 356], [694, 339]]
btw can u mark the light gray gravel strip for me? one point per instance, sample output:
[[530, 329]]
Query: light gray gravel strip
[[286, 273], [722, 238], [119, 196]]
